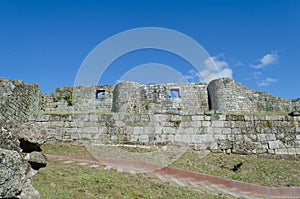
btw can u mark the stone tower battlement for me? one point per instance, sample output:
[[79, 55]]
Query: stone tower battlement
[[19, 101], [220, 95]]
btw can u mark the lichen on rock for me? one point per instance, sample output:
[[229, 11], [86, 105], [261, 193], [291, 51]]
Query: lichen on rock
[[19, 161]]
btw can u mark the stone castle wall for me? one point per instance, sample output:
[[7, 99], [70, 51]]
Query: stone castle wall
[[80, 99], [221, 95], [243, 134], [130, 97], [19, 101], [147, 114], [228, 96]]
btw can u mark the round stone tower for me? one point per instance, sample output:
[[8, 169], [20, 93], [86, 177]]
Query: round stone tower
[[127, 97], [223, 95]]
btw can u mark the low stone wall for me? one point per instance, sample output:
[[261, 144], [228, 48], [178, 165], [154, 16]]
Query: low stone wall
[[242, 134]]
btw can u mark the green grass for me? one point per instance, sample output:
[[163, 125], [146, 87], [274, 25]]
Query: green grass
[[59, 180], [66, 149], [268, 172]]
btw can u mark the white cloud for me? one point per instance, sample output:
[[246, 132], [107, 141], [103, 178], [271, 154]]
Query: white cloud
[[267, 82], [268, 59], [213, 69], [253, 76]]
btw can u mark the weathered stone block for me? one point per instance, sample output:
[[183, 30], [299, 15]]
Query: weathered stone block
[[92, 130], [271, 151], [217, 123], [137, 130], [206, 123], [93, 118], [220, 136], [226, 130], [281, 151], [168, 130], [206, 138], [249, 117], [217, 130], [207, 118], [266, 137], [275, 144], [249, 137], [197, 117], [298, 129], [222, 117], [166, 138], [144, 138], [291, 151], [260, 151], [186, 138], [90, 124]]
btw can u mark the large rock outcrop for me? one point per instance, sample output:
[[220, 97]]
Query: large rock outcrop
[[20, 158]]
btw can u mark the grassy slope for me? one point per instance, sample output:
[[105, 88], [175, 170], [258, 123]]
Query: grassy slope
[[59, 180], [269, 172]]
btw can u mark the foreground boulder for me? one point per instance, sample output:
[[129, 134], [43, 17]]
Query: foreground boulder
[[20, 158]]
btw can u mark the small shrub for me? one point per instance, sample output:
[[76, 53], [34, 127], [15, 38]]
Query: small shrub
[[269, 124], [214, 116], [69, 99], [147, 107], [136, 123], [177, 122]]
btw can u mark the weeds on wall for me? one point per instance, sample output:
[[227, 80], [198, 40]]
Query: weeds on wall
[[69, 99]]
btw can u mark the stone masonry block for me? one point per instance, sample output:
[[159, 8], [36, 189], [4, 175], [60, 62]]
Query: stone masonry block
[[291, 151], [197, 117], [186, 138], [275, 144], [222, 117], [266, 137], [206, 123], [298, 129], [137, 130], [217, 130], [144, 138], [281, 151], [248, 117], [217, 124], [168, 130], [226, 130], [220, 137], [93, 118]]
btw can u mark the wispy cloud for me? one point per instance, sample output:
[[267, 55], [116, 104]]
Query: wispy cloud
[[266, 82], [213, 68], [253, 75], [268, 59]]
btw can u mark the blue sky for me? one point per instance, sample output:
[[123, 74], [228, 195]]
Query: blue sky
[[45, 42]]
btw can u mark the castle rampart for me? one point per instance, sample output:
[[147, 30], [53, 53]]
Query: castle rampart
[[222, 116]]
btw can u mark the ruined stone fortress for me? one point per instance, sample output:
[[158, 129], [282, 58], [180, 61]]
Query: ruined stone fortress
[[221, 116]]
